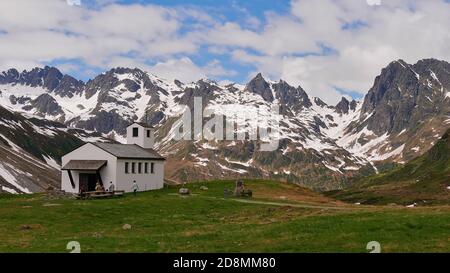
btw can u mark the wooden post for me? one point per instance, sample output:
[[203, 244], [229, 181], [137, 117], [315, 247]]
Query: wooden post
[[71, 178]]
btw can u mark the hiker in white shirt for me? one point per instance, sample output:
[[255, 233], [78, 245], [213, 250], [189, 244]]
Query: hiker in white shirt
[[134, 187]]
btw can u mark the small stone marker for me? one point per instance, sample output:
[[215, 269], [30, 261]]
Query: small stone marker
[[239, 188], [126, 227]]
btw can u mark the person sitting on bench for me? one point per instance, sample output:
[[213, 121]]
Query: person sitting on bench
[[99, 187]]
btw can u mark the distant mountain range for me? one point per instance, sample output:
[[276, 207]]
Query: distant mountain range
[[405, 112]]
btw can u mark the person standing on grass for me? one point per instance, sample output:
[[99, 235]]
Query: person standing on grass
[[134, 188]]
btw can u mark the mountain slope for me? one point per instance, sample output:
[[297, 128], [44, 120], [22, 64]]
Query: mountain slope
[[403, 114], [31, 149], [321, 146], [425, 179], [114, 99], [305, 155]]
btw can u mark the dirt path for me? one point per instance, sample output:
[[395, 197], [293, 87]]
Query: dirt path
[[347, 207], [279, 204], [294, 205]]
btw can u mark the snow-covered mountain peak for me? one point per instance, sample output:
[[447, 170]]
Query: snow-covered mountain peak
[[341, 138]]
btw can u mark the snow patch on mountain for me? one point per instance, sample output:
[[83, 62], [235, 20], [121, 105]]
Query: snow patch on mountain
[[245, 164], [52, 162], [9, 175], [241, 171], [9, 190], [117, 97]]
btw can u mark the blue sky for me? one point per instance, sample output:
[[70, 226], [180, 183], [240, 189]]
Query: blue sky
[[222, 10], [331, 48], [231, 9]]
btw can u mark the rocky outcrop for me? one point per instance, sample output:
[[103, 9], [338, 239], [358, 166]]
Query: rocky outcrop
[[404, 95], [321, 146], [405, 112], [45, 105], [291, 98], [343, 106], [49, 78], [258, 85]]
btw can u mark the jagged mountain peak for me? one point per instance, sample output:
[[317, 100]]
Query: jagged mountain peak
[[411, 82], [281, 90], [122, 70], [431, 62], [258, 85], [397, 100], [259, 76], [48, 77], [344, 106], [207, 81], [422, 66], [121, 73], [294, 98], [406, 106]]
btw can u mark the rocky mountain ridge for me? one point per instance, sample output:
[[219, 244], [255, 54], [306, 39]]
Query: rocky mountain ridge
[[321, 146]]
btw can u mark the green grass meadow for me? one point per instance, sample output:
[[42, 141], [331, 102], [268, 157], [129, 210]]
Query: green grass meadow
[[205, 221]]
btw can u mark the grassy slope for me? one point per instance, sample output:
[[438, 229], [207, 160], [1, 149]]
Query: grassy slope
[[424, 179], [162, 221]]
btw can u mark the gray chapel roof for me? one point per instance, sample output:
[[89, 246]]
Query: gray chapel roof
[[129, 151], [143, 124]]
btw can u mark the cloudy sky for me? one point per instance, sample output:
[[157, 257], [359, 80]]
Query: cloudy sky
[[329, 47]]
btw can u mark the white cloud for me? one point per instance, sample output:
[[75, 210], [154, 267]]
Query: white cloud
[[374, 2], [365, 36], [186, 71], [407, 29], [74, 2], [36, 32]]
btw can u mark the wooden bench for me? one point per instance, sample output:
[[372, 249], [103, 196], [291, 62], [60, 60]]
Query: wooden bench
[[100, 194], [119, 193]]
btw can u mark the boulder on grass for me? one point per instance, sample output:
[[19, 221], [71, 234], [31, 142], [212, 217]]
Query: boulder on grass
[[184, 191], [126, 227], [25, 227]]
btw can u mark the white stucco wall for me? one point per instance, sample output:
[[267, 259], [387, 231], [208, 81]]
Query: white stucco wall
[[88, 152], [150, 181], [142, 139]]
